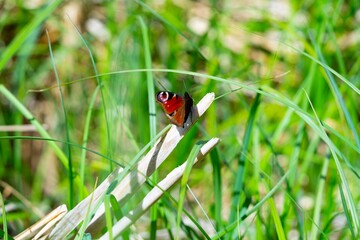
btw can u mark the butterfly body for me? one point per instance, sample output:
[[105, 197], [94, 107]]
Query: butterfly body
[[176, 107]]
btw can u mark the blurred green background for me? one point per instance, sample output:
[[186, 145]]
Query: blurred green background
[[300, 57]]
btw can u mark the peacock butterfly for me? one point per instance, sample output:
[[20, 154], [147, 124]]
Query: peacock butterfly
[[176, 107]]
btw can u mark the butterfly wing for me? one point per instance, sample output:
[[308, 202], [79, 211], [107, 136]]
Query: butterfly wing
[[188, 105], [177, 108]]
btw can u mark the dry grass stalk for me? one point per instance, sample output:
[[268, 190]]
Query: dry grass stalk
[[134, 179], [158, 191], [45, 224]]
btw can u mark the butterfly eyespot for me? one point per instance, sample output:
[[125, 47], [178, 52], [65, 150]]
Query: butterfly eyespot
[[176, 107], [164, 96]]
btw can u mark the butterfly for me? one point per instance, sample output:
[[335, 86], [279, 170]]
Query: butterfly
[[176, 107]]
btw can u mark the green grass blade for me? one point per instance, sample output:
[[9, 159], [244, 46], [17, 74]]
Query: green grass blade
[[238, 187], [21, 37], [342, 78], [267, 92], [338, 95], [118, 215], [319, 198], [230, 227], [4, 222], [166, 215], [346, 212], [41, 130], [114, 180], [339, 56], [278, 226], [350, 205], [171, 203], [149, 79], [108, 217], [81, 233], [85, 141], [291, 181], [215, 161], [294, 159], [70, 170], [185, 178], [116, 207], [99, 82], [64, 142], [158, 16], [152, 116]]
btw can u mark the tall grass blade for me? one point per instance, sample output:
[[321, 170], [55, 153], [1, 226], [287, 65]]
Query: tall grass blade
[[342, 78], [41, 130], [152, 115], [337, 93], [85, 141], [149, 78], [185, 178], [350, 205], [99, 82], [319, 198], [240, 175], [108, 215], [118, 215], [215, 161], [4, 221], [88, 215], [346, 212], [230, 227], [70, 170], [278, 226]]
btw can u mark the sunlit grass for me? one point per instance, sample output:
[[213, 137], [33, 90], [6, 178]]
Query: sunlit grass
[[287, 115]]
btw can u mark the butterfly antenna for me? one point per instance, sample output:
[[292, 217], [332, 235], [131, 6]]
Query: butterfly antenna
[[231, 91], [164, 88], [252, 83], [184, 85]]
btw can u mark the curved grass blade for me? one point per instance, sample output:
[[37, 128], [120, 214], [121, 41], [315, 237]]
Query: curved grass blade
[[240, 175], [338, 95], [40, 129], [70, 170], [349, 205], [271, 93], [101, 92]]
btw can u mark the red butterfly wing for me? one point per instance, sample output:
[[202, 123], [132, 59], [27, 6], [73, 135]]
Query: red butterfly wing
[[177, 108]]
